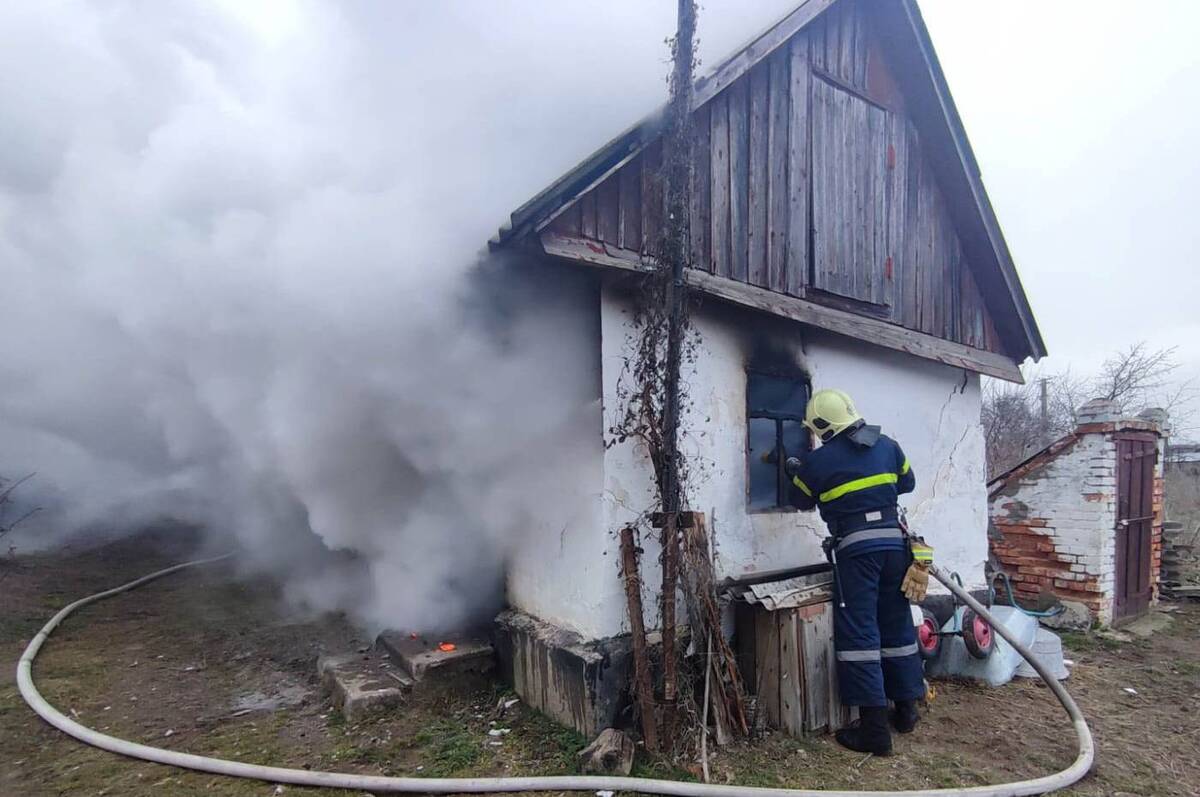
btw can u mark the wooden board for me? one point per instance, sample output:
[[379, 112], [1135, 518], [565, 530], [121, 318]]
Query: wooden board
[[652, 199], [816, 635], [792, 680], [778, 110], [629, 223], [757, 171], [719, 149], [871, 330], [700, 222], [798, 168], [739, 179], [587, 209], [608, 211], [766, 636]]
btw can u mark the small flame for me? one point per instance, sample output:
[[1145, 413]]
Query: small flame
[[447, 647]]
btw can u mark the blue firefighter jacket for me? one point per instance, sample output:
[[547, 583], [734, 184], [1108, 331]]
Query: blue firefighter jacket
[[855, 487]]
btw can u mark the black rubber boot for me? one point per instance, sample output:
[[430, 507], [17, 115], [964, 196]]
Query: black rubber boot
[[906, 716], [870, 734]]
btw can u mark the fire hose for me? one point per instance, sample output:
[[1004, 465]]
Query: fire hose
[[379, 783]]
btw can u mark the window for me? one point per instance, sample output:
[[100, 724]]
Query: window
[[774, 413]]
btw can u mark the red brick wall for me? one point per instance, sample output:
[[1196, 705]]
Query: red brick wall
[[1025, 550]]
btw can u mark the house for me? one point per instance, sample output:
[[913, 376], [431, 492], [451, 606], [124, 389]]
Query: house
[[1081, 520], [841, 236]]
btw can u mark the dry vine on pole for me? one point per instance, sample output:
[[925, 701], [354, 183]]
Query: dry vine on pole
[[653, 400]]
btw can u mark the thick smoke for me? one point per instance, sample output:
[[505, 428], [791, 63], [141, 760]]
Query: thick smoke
[[239, 250]]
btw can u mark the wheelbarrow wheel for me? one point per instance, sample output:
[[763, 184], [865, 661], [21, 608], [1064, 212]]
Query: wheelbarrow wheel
[[929, 641], [977, 635]]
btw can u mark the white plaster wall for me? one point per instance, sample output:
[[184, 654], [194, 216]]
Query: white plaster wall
[[931, 409], [560, 568], [566, 571]]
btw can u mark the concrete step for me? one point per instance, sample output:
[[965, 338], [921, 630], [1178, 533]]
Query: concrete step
[[362, 683], [425, 658]]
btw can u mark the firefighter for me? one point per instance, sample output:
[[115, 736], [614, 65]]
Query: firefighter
[[854, 479]]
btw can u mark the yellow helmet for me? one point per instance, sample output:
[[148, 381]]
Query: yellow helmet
[[829, 412]]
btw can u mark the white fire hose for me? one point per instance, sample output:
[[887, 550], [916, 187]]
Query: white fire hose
[[379, 783]]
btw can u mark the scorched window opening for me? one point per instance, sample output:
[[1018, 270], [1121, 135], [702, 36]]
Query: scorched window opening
[[775, 403]]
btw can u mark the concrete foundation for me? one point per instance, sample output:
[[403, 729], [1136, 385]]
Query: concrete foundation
[[580, 684]]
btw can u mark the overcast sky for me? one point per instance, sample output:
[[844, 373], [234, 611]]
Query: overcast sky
[[1085, 121]]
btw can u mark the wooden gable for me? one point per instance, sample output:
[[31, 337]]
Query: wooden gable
[[810, 181]]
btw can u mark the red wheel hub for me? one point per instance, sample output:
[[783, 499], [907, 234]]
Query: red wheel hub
[[983, 632], [927, 634]]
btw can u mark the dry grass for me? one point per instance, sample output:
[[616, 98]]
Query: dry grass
[[177, 656]]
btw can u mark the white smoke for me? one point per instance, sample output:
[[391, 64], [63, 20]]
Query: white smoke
[[237, 251]]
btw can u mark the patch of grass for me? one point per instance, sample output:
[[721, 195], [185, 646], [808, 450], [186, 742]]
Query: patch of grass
[[449, 749], [1086, 641], [20, 628], [648, 766], [547, 741], [1187, 667]]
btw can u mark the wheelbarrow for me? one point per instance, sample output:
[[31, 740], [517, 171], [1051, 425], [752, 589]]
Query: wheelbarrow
[[976, 634]]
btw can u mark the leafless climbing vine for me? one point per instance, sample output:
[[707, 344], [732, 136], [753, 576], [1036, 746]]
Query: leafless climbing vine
[[653, 397]]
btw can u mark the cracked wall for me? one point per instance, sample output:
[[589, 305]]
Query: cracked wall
[[931, 409]]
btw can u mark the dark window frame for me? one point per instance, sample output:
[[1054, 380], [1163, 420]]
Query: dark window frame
[[783, 485]]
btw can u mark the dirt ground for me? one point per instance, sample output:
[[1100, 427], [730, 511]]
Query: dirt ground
[[208, 664]]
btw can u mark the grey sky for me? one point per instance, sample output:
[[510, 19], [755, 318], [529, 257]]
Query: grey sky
[[1085, 121]]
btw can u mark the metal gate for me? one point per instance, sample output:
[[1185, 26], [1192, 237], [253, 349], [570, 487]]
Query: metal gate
[[1137, 455]]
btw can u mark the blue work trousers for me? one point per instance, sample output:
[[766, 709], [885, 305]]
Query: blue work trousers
[[873, 636]]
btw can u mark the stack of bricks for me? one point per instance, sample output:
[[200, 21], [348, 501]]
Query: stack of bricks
[[1180, 566], [1156, 533]]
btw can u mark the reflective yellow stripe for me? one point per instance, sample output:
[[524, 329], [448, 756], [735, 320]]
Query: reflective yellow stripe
[[921, 552], [803, 487], [864, 483], [904, 467]]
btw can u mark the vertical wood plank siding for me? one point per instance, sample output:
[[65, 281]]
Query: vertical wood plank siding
[[701, 210], [719, 108], [809, 182], [756, 203], [798, 168], [777, 163], [739, 178]]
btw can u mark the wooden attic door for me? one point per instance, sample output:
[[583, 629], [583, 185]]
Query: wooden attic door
[[1137, 455], [856, 196]]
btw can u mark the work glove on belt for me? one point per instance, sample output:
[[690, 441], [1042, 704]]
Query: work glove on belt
[[916, 580]]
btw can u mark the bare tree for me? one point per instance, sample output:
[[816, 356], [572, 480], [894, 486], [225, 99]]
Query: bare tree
[[1018, 420]]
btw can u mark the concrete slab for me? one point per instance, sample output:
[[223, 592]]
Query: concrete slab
[[1149, 624], [362, 684], [423, 658]]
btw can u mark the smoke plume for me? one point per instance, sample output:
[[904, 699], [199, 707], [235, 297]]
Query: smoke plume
[[240, 261]]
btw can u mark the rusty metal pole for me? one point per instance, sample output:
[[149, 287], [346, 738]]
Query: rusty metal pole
[[643, 690], [677, 160]]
